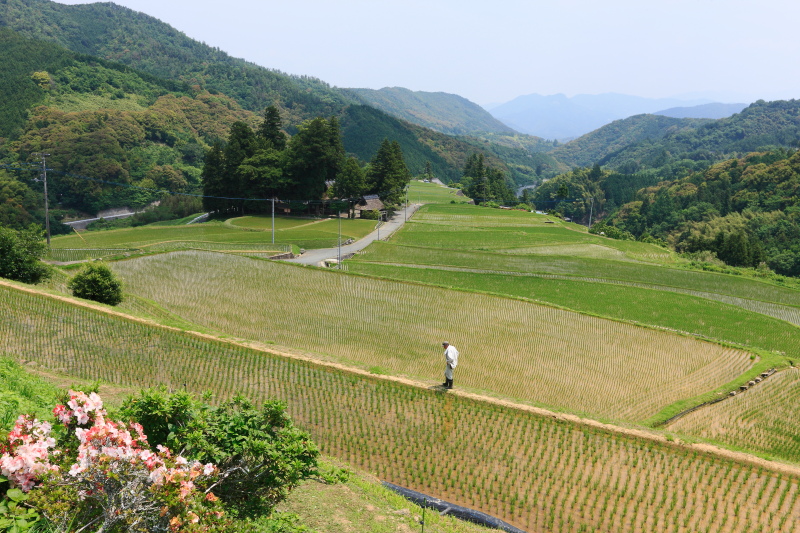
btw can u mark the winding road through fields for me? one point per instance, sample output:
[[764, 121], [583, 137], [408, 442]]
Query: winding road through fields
[[318, 257]]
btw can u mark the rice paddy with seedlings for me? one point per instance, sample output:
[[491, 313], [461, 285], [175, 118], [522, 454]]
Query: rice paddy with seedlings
[[536, 472], [762, 419], [536, 353], [223, 235], [647, 305]]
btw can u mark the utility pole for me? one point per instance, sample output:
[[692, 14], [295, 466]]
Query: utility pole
[[591, 211], [273, 220], [339, 264], [46, 200]]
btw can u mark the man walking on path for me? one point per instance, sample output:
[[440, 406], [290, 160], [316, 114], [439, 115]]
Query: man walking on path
[[451, 358]]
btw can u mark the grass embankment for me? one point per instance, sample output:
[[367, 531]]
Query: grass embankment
[[433, 193], [22, 393], [764, 419], [535, 471], [362, 504], [513, 348]]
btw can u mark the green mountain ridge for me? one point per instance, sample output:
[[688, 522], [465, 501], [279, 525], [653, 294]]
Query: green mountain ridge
[[103, 120], [618, 135], [645, 142], [443, 112]]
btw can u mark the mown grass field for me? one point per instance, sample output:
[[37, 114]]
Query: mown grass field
[[539, 473], [764, 419], [534, 353], [582, 267], [432, 193]]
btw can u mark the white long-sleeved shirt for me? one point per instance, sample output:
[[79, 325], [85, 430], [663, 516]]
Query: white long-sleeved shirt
[[451, 356]]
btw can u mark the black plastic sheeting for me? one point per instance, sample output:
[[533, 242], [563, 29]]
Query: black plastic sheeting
[[444, 507]]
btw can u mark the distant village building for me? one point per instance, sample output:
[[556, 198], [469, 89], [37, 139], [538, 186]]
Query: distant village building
[[370, 202]]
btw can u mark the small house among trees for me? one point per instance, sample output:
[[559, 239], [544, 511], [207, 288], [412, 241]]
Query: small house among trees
[[370, 202]]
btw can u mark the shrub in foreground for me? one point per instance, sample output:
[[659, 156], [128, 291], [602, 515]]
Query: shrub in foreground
[[264, 456], [97, 282], [94, 474]]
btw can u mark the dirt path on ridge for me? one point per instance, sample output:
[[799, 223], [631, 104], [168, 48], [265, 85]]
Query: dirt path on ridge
[[641, 433]]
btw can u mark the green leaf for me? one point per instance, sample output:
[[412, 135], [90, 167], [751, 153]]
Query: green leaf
[[16, 495]]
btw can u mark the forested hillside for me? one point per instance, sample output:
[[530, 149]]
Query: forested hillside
[[443, 112], [101, 120], [142, 42], [646, 142], [619, 135], [116, 33], [746, 211]]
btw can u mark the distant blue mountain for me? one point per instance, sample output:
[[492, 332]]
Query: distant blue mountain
[[560, 117]]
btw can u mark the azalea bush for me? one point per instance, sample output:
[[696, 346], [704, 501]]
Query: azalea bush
[[95, 474], [87, 472]]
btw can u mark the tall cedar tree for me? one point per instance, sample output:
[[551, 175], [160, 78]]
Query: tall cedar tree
[[270, 132], [262, 175], [388, 174], [214, 185], [474, 178], [313, 156], [242, 144]]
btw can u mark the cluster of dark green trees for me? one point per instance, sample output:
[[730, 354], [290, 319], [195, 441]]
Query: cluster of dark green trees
[[745, 211], [254, 166], [486, 184]]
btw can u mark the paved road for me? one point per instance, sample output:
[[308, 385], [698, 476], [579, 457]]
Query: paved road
[[318, 257]]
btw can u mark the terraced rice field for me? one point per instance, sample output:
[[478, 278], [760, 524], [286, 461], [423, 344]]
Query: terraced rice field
[[763, 419], [518, 349], [254, 231], [727, 319], [536, 472], [585, 267]]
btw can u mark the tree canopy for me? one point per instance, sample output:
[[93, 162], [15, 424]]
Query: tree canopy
[[20, 254]]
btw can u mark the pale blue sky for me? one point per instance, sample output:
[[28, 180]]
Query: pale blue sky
[[492, 51]]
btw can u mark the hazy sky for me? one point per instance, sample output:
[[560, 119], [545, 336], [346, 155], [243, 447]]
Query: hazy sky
[[492, 51]]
